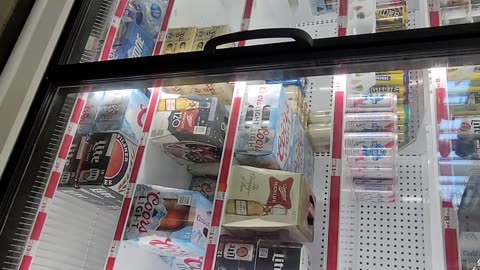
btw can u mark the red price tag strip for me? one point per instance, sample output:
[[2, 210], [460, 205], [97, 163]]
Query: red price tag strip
[[451, 236], [52, 184], [335, 184], [247, 14], [342, 18], [127, 200]]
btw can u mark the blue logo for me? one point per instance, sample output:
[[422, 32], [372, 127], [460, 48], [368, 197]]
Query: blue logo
[[376, 151], [375, 98]]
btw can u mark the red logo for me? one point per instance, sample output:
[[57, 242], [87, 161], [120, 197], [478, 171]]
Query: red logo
[[153, 199], [280, 192], [141, 114]]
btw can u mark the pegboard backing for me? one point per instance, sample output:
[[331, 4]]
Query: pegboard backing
[[321, 189], [323, 26], [319, 93], [387, 235]]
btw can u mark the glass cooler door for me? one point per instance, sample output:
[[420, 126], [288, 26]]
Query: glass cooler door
[[119, 29], [282, 163]]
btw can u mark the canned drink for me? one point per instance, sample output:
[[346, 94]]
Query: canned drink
[[383, 102], [391, 17], [403, 114], [375, 192], [372, 172], [400, 91], [391, 79], [377, 148], [401, 129], [367, 181], [370, 122]]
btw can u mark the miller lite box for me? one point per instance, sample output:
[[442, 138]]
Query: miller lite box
[[177, 217], [252, 254], [124, 111], [190, 128], [282, 256], [106, 169], [264, 132], [235, 253], [268, 201], [89, 113]]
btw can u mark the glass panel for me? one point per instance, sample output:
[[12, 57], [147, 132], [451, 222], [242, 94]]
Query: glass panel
[[135, 28], [458, 160], [342, 170]]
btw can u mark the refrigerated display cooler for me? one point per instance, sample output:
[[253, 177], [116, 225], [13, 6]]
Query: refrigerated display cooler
[[171, 134]]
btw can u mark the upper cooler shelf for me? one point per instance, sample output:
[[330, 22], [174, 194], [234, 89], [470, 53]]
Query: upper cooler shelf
[[137, 28]]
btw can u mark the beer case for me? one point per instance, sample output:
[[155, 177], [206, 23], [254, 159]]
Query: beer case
[[252, 254], [191, 129], [139, 28], [268, 201], [296, 158], [205, 185], [106, 169], [282, 255], [123, 111], [222, 91], [234, 253], [89, 113], [264, 133], [182, 215], [179, 40], [183, 262], [172, 250], [308, 162], [204, 34]]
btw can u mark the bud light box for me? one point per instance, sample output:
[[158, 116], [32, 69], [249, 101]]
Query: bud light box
[[124, 111], [106, 169], [139, 29], [190, 128], [267, 201], [264, 132], [180, 218]]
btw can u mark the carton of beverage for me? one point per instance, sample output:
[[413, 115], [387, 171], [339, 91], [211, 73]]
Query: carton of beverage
[[139, 29], [264, 132], [179, 40], [253, 254], [296, 158], [282, 256], [235, 253], [184, 262], [174, 216], [267, 201], [124, 111], [205, 185], [190, 128], [206, 33], [107, 167], [222, 91], [89, 113], [308, 162]]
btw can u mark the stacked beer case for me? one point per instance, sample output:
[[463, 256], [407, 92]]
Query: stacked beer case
[[269, 194], [103, 150]]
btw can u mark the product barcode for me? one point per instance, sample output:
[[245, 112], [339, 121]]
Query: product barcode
[[200, 130], [184, 200], [263, 253]]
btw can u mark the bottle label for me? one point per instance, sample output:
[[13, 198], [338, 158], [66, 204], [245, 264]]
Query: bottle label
[[241, 207]]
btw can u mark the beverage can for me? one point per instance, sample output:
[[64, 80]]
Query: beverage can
[[372, 172], [370, 122], [399, 90], [375, 192], [371, 147], [369, 181], [391, 16], [392, 79], [384, 102]]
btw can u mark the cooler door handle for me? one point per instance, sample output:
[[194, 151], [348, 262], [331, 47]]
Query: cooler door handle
[[302, 39]]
